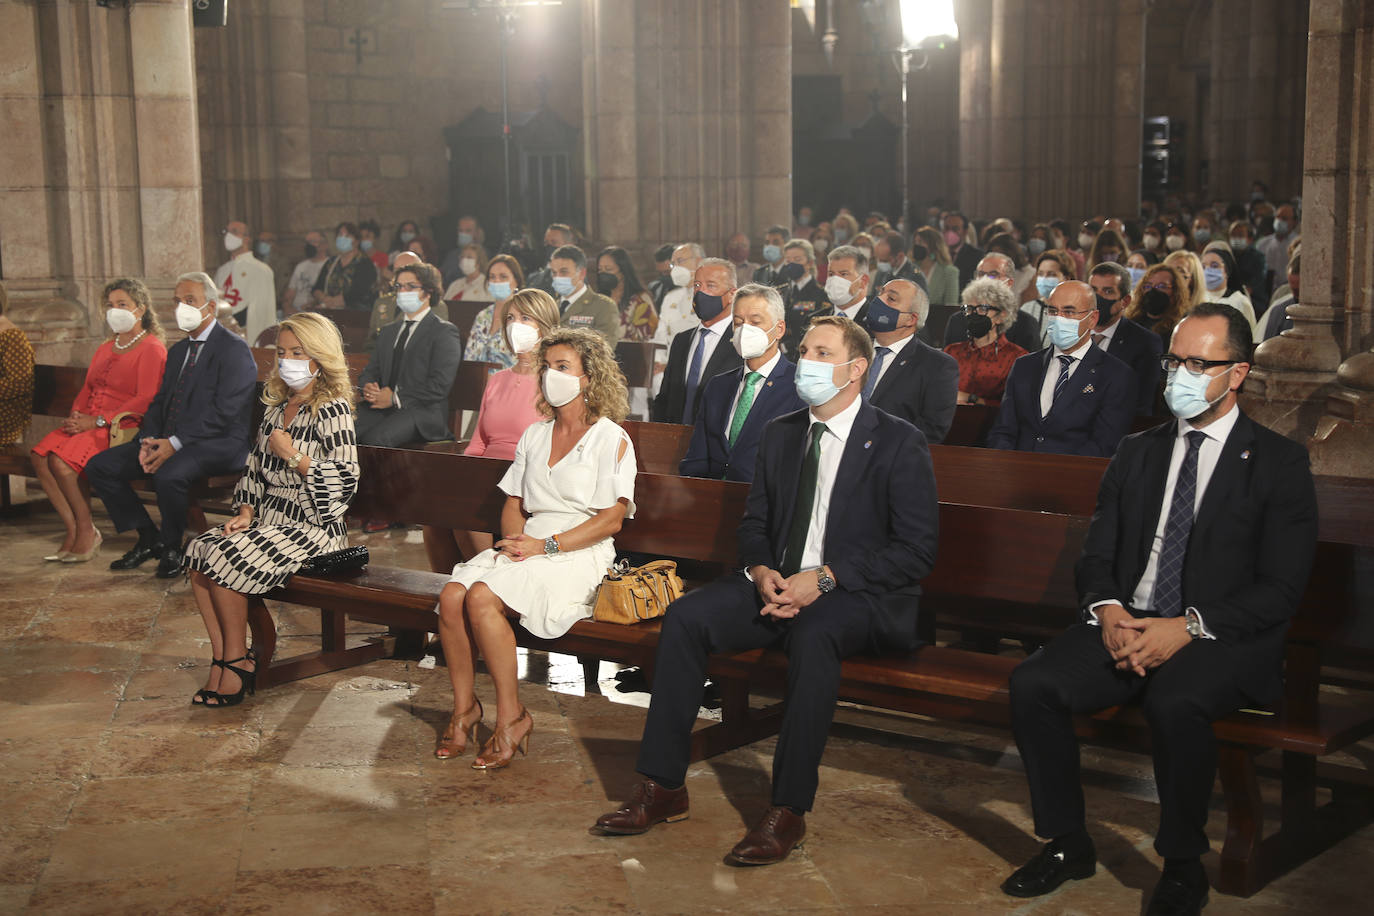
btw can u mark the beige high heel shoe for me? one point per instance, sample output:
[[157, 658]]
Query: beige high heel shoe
[[459, 725], [84, 557], [501, 747]]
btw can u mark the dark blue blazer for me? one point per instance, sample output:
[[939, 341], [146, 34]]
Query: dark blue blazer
[[710, 454], [1140, 349], [1090, 418], [216, 414], [921, 387], [881, 533]]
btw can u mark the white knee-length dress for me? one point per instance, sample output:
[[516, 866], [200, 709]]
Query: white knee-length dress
[[551, 593]]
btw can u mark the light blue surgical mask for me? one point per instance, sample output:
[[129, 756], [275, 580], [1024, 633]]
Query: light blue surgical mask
[[1065, 333], [264, 249], [1045, 285], [500, 290], [1036, 247], [1136, 273], [408, 301], [772, 253], [815, 381], [407, 237], [464, 239], [1186, 394], [366, 245], [344, 244], [563, 286], [1280, 227], [1202, 235], [1214, 277]]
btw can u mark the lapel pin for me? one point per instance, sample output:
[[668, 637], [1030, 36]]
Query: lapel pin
[[1088, 389], [768, 384], [868, 444], [1245, 455]]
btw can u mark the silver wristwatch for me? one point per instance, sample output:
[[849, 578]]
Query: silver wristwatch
[[551, 545], [1193, 623], [101, 422], [824, 582]]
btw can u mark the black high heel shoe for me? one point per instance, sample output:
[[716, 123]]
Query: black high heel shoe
[[247, 683], [200, 697]]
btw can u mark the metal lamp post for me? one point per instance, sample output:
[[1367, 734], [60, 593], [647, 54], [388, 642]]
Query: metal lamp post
[[924, 22]]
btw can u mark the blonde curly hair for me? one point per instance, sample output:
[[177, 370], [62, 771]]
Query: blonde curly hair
[[322, 342], [607, 393]]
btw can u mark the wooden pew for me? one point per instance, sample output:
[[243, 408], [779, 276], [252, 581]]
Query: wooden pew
[[992, 557], [462, 314], [659, 447], [636, 359]]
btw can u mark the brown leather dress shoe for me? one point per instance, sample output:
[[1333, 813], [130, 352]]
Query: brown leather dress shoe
[[776, 834], [650, 804]]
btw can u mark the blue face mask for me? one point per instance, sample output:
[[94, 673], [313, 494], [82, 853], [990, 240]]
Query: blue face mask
[[407, 237], [815, 381], [882, 317], [1036, 247], [1045, 285], [1202, 235], [1186, 394], [707, 306], [1280, 227], [366, 245], [772, 253], [264, 249], [1214, 277], [1136, 273], [344, 244], [499, 290], [1065, 332], [563, 286], [464, 239]]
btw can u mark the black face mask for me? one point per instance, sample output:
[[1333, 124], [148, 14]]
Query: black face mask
[[707, 306], [792, 272], [1155, 303], [606, 282], [919, 252], [978, 326], [1104, 311], [311, 250]]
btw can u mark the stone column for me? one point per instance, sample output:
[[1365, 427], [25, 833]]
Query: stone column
[[686, 113]]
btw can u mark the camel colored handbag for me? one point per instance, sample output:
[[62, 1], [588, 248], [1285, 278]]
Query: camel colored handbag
[[122, 434], [631, 594]]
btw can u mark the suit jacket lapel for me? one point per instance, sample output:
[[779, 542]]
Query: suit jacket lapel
[[1156, 475], [789, 476], [715, 365], [900, 367], [1083, 376], [1229, 475], [767, 391], [858, 452]]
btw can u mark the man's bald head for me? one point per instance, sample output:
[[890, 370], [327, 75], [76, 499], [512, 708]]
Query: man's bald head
[[405, 259], [998, 267], [1073, 294]]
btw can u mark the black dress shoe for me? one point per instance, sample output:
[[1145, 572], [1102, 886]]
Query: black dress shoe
[[169, 567], [1051, 867], [140, 554], [1175, 897]]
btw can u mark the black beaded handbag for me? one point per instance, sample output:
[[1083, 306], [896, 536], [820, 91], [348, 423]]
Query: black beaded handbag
[[336, 561]]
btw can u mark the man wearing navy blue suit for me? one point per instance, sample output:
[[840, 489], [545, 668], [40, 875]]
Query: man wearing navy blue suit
[[909, 378], [197, 426], [1071, 398], [736, 405], [1129, 342], [840, 527], [1198, 553], [698, 354]]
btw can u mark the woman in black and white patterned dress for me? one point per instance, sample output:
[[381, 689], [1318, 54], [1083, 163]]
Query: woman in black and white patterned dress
[[301, 475]]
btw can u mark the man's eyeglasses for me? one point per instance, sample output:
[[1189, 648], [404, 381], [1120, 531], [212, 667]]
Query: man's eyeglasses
[[408, 287], [1193, 364], [1056, 312]]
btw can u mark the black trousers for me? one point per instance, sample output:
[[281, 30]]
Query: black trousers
[[110, 472], [389, 428], [1181, 699], [723, 617]]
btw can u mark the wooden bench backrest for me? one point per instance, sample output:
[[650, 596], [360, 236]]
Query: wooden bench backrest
[[55, 389], [353, 324], [462, 314], [636, 359], [659, 447]]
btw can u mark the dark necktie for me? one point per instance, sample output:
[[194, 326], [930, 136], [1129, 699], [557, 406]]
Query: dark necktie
[[805, 502], [694, 377], [880, 355], [1064, 363], [397, 353], [563, 306], [1168, 596], [181, 385]]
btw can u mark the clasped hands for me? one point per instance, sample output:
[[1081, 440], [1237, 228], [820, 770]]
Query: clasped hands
[[520, 546], [1140, 644], [153, 454], [78, 423], [783, 598], [378, 397]]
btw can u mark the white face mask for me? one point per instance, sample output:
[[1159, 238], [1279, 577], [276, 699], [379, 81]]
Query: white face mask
[[561, 388], [1085, 240], [682, 277], [295, 372], [188, 317], [522, 336], [751, 341], [232, 242], [120, 320], [467, 265], [837, 288]]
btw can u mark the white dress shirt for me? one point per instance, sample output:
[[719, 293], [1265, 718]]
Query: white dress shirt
[[765, 370], [1052, 375], [712, 340], [832, 450], [1106, 334], [896, 348], [410, 322]]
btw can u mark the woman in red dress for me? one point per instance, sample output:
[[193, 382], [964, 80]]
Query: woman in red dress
[[120, 384]]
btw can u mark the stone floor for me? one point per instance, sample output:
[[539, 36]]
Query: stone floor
[[323, 796]]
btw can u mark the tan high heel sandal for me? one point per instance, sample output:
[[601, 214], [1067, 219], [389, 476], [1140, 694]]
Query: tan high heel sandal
[[500, 747], [457, 725]]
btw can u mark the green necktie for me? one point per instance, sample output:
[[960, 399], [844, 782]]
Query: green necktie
[[806, 501], [746, 400]]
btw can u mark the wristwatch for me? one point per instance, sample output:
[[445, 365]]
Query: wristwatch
[[294, 462], [1193, 623], [101, 422], [551, 545], [824, 582]]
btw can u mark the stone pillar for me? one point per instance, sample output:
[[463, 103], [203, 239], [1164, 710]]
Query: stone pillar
[[687, 120], [98, 168], [1052, 97]]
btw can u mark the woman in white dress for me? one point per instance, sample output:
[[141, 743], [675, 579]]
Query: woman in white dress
[[568, 490]]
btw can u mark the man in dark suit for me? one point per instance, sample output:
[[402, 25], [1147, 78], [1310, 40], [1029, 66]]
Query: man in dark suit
[[1198, 553], [801, 294], [1071, 398], [698, 354], [773, 240], [1024, 331], [964, 256], [847, 284], [1133, 344], [406, 383], [839, 529], [736, 405], [893, 264], [198, 425], [909, 379], [555, 236]]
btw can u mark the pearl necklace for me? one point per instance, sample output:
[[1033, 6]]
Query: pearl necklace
[[137, 338]]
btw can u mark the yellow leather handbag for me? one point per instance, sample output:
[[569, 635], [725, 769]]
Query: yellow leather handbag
[[630, 594]]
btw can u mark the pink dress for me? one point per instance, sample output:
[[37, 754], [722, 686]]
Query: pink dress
[[507, 411], [117, 381]]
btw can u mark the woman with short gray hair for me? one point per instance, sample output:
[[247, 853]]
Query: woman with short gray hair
[[985, 359]]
